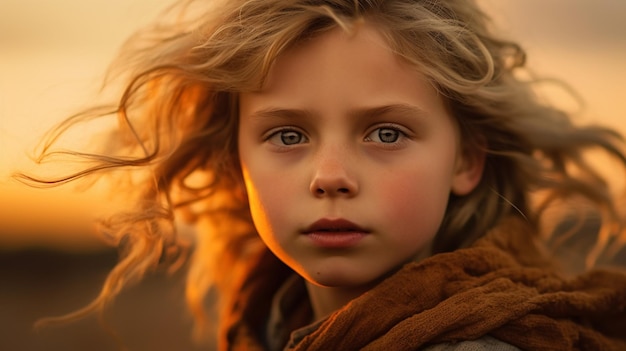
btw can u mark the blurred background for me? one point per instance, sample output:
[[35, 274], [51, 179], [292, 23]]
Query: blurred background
[[52, 58]]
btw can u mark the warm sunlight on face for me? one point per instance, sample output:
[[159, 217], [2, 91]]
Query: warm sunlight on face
[[51, 68], [349, 157]]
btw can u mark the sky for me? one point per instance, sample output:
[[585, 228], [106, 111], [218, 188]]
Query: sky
[[53, 55]]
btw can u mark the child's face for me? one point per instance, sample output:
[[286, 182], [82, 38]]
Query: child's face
[[346, 132]]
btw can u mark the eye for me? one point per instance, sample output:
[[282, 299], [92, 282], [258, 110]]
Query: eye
[[287, 137], [387, 135]]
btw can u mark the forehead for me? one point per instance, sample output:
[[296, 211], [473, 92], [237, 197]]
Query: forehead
[[336, 49], [346, 71]]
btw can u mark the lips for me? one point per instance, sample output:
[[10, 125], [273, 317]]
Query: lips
[[335, 233], [334, 226]]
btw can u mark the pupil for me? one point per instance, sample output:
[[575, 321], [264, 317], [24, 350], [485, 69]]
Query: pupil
[[388, 135], [290, 138]]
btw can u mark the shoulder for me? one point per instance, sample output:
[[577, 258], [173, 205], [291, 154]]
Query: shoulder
[[486, 343]]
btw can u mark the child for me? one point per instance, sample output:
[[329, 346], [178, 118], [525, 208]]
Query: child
[[362, 175]]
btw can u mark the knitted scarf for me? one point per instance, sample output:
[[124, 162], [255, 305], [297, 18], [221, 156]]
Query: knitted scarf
[[500, 286]]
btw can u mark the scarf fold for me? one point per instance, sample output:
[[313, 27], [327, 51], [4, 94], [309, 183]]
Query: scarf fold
[[500, 287]]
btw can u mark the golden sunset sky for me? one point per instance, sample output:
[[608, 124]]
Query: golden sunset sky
[[54, 53]]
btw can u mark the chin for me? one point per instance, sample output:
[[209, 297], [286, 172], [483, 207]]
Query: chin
[[333, 281], [336, 278]]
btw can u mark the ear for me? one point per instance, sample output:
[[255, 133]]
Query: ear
[[469, 170]]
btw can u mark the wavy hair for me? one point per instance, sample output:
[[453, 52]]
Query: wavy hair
[[178, 123]]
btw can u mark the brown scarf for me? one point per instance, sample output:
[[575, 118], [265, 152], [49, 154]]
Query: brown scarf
[[499, 286]]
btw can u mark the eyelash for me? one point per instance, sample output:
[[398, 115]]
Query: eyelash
[[401, 134], [279, 132], [303, 139]]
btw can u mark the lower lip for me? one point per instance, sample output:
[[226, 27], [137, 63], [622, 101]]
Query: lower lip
[[336, 239]]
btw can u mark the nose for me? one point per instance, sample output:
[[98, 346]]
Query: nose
[[332, 176]]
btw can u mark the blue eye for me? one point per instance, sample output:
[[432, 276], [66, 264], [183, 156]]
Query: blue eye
[[290, 137], [385, 135], [287, 137]]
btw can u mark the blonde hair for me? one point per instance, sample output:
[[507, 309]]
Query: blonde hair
[[178, 118]]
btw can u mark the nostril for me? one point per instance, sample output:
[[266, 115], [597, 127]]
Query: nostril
[[320, 191]]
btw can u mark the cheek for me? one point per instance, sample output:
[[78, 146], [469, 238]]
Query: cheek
[[414, 199], [262, 205], [268, 198], [254, 198]]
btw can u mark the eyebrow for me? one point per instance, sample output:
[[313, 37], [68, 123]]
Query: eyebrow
[[404, 110], [400, 109], [274, 112]]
